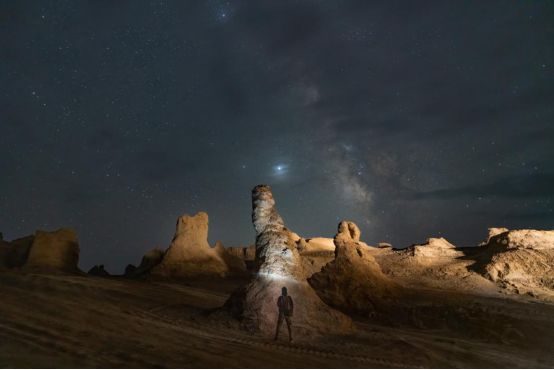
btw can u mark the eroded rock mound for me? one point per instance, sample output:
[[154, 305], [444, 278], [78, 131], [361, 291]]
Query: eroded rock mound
[[235, 264], [189, 254], [493, 231], [57, 250], [151, 259], [98, 270], [437, 248], [353, 281], [280, 266], [521, 261], [245, 253], [315, 253]]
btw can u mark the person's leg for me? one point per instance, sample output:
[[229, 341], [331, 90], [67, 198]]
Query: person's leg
[[288, 319], [279, 322]]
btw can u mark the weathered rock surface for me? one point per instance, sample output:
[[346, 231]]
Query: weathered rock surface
[[315, 253], [280, 266], [521, 261], [527, 239], [235, 264], [493, 231], [353, 281], [435, 248], [316, 245], [244, 253], [189, 254], [58, 250]]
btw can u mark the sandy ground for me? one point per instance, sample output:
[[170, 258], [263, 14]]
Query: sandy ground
[[83, 321]]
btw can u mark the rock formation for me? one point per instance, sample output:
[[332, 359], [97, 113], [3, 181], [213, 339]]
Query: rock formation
[[150, 259], [130, 270], [98, 270], [57, 250], [315, 253], [353, 281], [189, 254], [235, 264], [14, 254], [521, 261], [493, 231], [435, 248], [244, 253], [279, 265]]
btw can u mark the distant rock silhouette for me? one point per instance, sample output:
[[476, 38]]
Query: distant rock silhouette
[[150, 259], [98, 270], [14, 254], [57, 250], [130, 270]]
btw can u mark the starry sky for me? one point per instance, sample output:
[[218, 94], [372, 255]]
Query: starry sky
[[413, 119]]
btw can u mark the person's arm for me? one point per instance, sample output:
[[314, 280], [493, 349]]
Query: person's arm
[[291, 306]]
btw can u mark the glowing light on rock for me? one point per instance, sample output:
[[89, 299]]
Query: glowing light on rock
[[276, 276]]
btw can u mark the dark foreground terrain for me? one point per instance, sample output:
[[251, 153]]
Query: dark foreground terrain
[[82, 321]]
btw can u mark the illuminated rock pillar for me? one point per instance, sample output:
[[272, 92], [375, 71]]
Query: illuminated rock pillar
[[279, 265]]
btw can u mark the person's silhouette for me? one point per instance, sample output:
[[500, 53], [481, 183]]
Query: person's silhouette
[[286, 309]]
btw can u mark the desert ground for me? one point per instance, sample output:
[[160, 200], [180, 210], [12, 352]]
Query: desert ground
[[63, 320]]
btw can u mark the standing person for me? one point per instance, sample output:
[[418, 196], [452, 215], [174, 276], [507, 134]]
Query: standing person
[[286, 309]]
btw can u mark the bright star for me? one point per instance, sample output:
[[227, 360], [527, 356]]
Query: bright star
[[280, 169]]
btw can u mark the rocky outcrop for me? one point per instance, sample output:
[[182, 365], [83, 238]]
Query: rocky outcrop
[[98, 270], [151, 259], [435, 248], [235, 264], [57, 250], [521, 261], [189, 254], [14, 254], [315, 253], [348, 230], [130, 270], [279, 265], [244, 253], [353, 281], [493, 231]]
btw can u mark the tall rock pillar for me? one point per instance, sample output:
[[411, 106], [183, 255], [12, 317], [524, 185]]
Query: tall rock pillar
[[279, 265]]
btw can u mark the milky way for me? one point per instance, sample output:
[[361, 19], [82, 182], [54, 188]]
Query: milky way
[[411, 119]]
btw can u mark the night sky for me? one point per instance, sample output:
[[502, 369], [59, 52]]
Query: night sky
[[413, 119]]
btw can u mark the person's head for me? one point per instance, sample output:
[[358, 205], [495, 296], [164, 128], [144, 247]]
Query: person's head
[[284, 290]]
